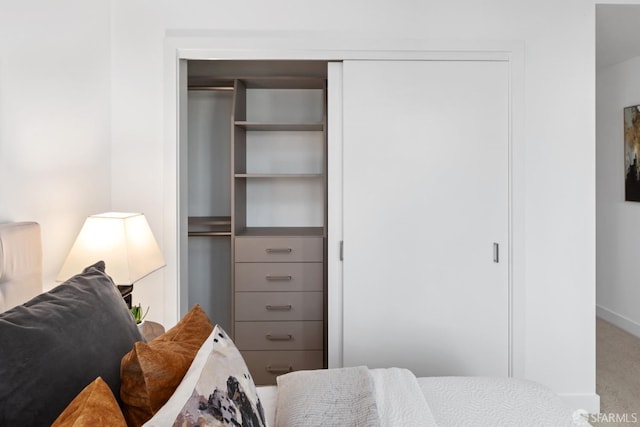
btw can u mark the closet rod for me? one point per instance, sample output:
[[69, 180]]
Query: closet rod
[[220, 88]]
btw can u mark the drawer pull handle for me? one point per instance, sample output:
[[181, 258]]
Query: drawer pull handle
[[279, 369], [278, 278], [279, 250], [279, 337], [279, 307]]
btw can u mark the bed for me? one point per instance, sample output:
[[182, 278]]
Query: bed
[[74, 356]]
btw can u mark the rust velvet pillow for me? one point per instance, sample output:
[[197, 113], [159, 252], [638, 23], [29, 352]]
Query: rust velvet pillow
[[93, 406], [151, 372]]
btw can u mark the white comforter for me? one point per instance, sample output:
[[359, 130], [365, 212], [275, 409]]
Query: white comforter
[[399, 399], [493, 401], [404, 400], [351, 397]]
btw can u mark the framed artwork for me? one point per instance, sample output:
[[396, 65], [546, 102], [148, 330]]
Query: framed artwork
[[631, 150]]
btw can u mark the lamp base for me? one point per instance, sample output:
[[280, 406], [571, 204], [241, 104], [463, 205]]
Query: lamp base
[[125, 291]]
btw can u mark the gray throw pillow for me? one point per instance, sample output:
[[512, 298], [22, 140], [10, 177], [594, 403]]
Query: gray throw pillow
[[54, 345]]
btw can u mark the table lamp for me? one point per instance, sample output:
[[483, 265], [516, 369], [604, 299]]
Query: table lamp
[[125, 243]]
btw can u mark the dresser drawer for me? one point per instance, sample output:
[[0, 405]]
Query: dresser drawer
[[276, 306], [278, 249], [265, 366], [278, 335], [279, 276]]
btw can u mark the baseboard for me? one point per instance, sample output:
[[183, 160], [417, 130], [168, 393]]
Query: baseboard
[[618, 320], [587, 402]]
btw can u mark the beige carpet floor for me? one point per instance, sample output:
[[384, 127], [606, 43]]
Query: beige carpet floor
[[617, 376]]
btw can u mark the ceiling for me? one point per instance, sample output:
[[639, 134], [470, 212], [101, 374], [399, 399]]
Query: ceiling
[[617, 34]]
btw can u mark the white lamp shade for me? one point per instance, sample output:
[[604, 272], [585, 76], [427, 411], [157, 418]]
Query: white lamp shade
[[125, 243]]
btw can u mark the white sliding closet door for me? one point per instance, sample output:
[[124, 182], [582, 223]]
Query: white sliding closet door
[[426, 196]]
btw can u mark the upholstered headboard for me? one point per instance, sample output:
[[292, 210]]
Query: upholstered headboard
[[20, 263]]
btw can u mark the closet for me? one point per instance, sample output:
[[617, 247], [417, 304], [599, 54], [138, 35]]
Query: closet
[[426, 216], [257, 161], [419, 201]]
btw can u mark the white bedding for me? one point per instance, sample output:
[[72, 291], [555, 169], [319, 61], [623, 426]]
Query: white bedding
[[400, 400], [489, 401], [464, 401], [328, 397]]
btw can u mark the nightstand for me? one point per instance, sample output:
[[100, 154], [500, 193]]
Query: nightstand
[[150, 330]]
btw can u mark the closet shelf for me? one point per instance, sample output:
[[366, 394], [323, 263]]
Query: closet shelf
[[209, 226], [208, 83], [212, 88], [280, 232], [283, 82], [208, 233]]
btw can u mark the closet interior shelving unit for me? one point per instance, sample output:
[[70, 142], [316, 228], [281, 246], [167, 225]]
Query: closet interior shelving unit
[[257, 208]]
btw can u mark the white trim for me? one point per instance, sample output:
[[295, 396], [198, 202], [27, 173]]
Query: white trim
[[171, 203], [321, 55], [334, 215], [274, 45], [329, 46], [517, 215], [617, 2], [510, 195], [182, 185], [618, 320]]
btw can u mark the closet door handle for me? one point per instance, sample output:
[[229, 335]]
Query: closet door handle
[[279, 250], [279, 369], [279, 337], [278, 307], [278, 278]]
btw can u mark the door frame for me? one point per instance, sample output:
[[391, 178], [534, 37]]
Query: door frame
[[181, 46]]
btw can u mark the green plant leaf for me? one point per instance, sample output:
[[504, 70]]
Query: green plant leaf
[[138, 314]]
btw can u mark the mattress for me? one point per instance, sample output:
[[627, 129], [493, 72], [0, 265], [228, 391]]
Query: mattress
[[477, 401]]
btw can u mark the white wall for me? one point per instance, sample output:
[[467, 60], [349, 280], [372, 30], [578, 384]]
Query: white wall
[[554, 163], [82, 97], [618, 224], [54, 118], [136, 128]]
